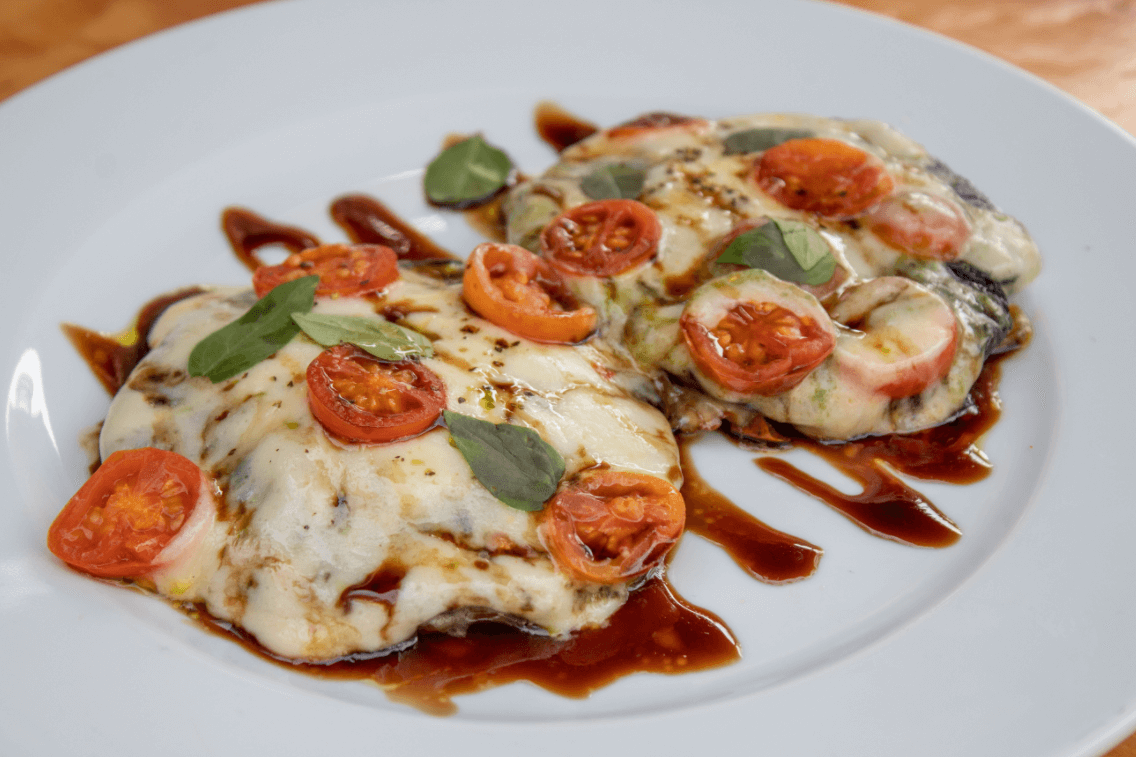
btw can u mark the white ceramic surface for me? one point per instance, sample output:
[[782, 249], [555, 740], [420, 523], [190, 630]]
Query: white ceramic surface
[[1016, 641]]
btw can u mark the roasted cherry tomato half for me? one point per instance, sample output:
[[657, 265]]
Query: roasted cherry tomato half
[[602, 238], [905, 336], [650, 123], [123, 523], [345, 270], [823, 176], [519, 291], [751, 333], [359, 398], [920, 225], [612, 526]]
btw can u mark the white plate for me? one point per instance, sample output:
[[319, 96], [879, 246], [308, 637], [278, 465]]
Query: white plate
[[1016, 641]]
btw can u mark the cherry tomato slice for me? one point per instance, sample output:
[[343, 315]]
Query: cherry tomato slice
[[653, 123], [360, 398], [603, 238], [612, 526], [752, 333], [344, 270], [908, 336], [120, 521], [823, 176], [519, 291], [920, 225]]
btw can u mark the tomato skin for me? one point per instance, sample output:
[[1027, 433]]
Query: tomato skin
[[612, 526], [344, 270], [654, 122], [127, 512], [387, 402], [905, 336], [823, 176], [753, 334], [519, 291], [603, 238], [921, 225]]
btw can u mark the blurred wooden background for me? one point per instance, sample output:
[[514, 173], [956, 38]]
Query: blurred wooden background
[[1085, 47]]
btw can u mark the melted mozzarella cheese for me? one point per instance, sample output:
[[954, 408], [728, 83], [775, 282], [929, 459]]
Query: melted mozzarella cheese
[[304, 518], [700, 193]]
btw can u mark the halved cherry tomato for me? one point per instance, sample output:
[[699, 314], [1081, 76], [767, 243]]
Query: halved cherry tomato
[[612, 526], [752, 333], [653, 123], [823, 176], [907, 340], [603, 238], [345, 270], [119, 523], [519, 291], [360, 398], [920, 225]]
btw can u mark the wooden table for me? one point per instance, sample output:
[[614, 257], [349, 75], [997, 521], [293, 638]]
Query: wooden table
[[1085, 47]]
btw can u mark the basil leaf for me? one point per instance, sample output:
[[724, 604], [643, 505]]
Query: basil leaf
[[378, 336], [513, 462], [807, 246], [264, 329], [618, 181], [760, 140], [790, 250], [465, 174]]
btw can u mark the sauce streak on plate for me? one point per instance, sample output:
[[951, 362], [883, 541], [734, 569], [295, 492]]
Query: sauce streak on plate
[[762, 551], [655, 631], [368, 221], [247, 232], [111, 357], [887, 507]]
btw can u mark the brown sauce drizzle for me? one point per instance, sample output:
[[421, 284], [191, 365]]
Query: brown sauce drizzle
[[655, 631], [381, 586], [684, 283], [559, 128], [762, 551], [488, 219], [111, 357], [366, 220], [248, 232], [888, 507]]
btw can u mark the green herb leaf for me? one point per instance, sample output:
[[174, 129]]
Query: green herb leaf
[[513, 462], [808, 247], [790, 250], [378, 336], [617, 181], [264, 329], [468, 173], [760, 140]]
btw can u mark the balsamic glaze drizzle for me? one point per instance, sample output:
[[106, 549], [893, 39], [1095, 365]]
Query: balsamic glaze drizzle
[[656, 630]]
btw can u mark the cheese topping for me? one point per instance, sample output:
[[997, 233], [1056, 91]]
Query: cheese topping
[[701, 186], [305, 518]]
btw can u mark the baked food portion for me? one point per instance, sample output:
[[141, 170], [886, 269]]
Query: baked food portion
[[820, 272], [322, 547]]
